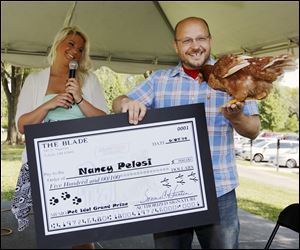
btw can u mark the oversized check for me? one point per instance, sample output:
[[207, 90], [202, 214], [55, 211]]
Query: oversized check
[[128, 179]]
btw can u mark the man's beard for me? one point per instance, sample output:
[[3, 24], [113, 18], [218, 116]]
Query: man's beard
[[196, 65], [193, 65]]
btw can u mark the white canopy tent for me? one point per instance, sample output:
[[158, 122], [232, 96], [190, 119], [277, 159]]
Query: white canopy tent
[[133, 37]]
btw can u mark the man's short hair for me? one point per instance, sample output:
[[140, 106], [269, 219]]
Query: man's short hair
[[192, 18]]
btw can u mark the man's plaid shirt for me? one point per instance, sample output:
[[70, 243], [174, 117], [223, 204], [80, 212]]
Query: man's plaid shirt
[[173, 87]]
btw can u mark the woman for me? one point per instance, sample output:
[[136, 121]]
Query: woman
[[50, 95]]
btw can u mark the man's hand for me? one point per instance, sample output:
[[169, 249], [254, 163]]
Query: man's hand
[[247, 126], [136, 110], [233, 111]]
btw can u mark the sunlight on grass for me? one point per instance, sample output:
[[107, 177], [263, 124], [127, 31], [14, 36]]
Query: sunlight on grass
[[9, 175], [10, 167], [11, 153], [263, 199], [262, 209]]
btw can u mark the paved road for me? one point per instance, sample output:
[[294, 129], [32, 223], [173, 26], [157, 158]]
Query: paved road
[[268, 174]]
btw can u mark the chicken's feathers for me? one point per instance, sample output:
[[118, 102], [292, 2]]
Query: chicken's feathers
[[236, 68]]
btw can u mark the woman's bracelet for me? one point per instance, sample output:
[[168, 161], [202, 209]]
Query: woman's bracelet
[[80, 101]]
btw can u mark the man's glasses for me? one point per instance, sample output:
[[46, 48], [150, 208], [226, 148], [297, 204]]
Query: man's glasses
[[198, 40]]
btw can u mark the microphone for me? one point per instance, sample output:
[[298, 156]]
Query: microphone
[[73, 65]]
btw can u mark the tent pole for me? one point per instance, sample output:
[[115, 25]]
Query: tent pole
[[163, 15], [70, 14]]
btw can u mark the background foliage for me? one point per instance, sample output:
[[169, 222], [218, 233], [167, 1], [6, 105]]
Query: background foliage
[[278, 113], [115, 84]]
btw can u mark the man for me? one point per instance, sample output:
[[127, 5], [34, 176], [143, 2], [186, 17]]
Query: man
[[180, 86]]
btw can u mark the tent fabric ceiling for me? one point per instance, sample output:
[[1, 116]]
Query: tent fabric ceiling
[[133, 37]]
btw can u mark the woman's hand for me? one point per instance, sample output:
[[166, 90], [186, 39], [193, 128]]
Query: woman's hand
[[73, 88], [64, 100]]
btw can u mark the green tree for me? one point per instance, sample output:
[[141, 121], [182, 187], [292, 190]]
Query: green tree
[[3, 109], [115, 84], [291, 97], [292, 124], [273, 111], [12, 79]]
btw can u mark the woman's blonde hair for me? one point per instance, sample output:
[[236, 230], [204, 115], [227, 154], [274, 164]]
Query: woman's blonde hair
[[85, 64]]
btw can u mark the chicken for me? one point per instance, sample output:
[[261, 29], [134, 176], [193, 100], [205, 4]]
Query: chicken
[[245, 77]]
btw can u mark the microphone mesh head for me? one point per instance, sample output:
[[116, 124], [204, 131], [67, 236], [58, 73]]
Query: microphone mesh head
[[73, 64]]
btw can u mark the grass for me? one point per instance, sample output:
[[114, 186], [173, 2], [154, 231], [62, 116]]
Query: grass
[[10, 167], [254, 197], [263, 199]]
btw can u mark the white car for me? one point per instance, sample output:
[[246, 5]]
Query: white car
[[289, 159], [265, 149], [245, 144]]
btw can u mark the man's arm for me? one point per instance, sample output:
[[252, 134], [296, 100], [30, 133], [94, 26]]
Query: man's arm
[[136, 110], [116, 105], [248, 126]]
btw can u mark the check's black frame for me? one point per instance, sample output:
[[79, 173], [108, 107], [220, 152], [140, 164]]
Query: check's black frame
[[209, 216]]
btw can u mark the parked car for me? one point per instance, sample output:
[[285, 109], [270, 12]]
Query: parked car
[[291, 136], [264, 150], [269, 134], [245, 144], [239, 144], [289, 159]]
